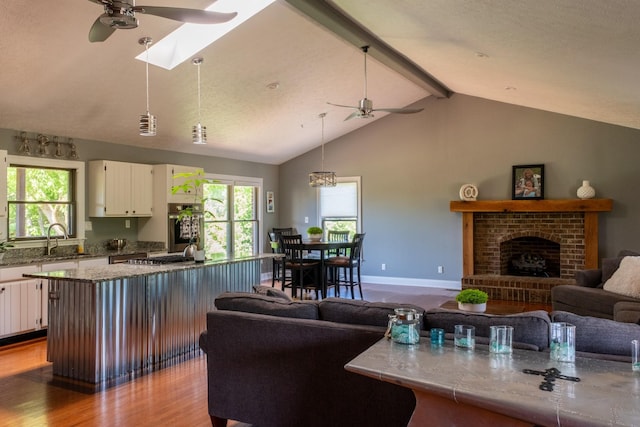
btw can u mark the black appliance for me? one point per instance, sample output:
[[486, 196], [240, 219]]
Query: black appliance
[[165, 259], [186, 230], [125, 258]]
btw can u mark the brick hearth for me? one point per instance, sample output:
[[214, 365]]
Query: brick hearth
[[571, 224]]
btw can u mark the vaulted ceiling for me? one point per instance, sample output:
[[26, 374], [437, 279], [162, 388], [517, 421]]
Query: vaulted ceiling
[[575, 57]]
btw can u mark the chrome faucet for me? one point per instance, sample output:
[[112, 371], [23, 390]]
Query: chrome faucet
[[64, 232]]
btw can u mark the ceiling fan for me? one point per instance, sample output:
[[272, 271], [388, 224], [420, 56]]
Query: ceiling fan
[[365, 108], [122, 15]]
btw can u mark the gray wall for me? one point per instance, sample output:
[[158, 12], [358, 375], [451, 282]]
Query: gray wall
[[106, 228], [412, 166]]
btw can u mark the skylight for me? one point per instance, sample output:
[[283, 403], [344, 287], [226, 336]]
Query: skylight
[[190, 39]]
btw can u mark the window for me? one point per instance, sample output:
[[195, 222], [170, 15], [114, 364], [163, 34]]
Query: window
[[340, 206], [232, 221], [41, 192]]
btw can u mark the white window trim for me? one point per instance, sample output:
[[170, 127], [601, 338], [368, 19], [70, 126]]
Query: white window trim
[[78, 166], [249, 181]]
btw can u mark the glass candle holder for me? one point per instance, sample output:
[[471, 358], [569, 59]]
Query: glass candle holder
[[437, 337], [635, 355], [562, 344], [500, 340], [465, 336]]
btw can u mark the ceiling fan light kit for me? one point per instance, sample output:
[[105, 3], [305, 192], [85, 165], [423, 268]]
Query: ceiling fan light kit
[[365, 109], [322, 178], [148, 124], [198, 132]]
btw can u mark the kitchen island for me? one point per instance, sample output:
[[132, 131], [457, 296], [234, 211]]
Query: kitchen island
[[111, 323]]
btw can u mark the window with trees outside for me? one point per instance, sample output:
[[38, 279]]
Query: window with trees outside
[[339, 206], [38, 197], [232, 219]]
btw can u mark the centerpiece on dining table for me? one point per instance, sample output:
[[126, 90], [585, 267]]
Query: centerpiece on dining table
[[314, 234]]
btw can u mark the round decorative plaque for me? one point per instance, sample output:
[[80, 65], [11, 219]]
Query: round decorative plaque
[[468, 192]]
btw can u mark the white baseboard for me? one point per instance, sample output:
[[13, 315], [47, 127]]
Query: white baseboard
[[398, 281], [408, 281]]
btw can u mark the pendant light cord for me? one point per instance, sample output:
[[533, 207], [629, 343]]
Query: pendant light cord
[[322, 147], [146, 48], [199, 116]]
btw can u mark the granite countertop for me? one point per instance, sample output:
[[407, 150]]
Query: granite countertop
[[118, 271], [608, 393], [18, 257]]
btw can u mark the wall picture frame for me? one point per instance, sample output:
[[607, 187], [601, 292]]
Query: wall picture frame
[[271, 207], [527, 182]]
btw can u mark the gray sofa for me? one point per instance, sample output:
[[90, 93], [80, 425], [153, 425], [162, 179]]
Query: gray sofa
[[274, 362], [588, 298]]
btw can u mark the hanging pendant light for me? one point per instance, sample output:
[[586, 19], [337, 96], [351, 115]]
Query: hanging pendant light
[[148, 120], [198, 132], [322, 178]]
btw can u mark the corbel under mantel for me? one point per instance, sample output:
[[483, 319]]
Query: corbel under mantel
[[590, 208]]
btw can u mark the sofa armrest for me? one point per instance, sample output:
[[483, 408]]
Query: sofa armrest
[[589, 278], [627, 312], [203, 341]]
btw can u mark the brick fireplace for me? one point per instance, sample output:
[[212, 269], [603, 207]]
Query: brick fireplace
[[563, 232]]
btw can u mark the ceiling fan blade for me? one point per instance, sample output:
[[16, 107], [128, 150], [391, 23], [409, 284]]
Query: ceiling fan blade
[[100, 32], [339, 105], [192, 16], [399, 110], [353, 115]]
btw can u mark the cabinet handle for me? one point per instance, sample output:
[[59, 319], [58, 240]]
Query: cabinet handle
[[2, 290], [54, 295]]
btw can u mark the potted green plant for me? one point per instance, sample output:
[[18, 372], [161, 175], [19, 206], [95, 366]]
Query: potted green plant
[[472, 300], [4, 247], [314, 233], [192, 183]]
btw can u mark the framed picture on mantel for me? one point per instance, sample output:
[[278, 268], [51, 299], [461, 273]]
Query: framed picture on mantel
[[527, 182]]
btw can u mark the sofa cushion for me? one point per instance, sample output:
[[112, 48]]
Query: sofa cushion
[[530, 327], [362, 312], [271, 292], [626, 279], [262, 304], [603, 336]]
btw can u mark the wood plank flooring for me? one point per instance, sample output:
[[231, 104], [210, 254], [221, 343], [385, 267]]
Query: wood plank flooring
[[173, 396]]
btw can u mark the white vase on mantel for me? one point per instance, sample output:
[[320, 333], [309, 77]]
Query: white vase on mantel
[[586, 191]]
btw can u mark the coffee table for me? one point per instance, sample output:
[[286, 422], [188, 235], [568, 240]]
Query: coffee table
[[493, 307]]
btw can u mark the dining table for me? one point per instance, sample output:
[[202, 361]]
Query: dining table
[[322, 247]]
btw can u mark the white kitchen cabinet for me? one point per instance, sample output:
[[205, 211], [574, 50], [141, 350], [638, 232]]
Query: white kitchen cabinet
[[20, 306], [120, 189], [3, 190]]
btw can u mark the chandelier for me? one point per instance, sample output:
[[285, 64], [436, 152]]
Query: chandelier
[[322, 178], [198, 132]]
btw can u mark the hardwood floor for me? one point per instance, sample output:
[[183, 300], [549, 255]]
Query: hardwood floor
[[172, 396]]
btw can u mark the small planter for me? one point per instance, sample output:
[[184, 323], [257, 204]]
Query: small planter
[[475, 308], [315, 237]]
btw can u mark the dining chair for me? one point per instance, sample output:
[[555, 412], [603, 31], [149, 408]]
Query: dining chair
[[337, 236], [277, 268], [304, 272], [348, 265]]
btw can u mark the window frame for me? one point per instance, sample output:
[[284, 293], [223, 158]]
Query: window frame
[[344, 179], [233, 180], [78, 168]]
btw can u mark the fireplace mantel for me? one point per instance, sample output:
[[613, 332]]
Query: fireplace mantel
[[590, 209], [557, 205]]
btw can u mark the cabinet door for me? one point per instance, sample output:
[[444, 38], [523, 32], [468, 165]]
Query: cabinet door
[[141, 190], [117, 182], [19, 307]]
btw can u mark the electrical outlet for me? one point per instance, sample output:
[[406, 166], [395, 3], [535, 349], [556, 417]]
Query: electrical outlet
[[440, 269], [306, 220], [383, 267], [127, 223], [88, 226]]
